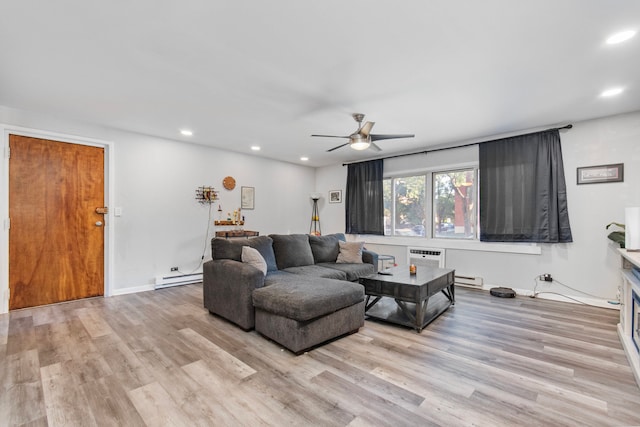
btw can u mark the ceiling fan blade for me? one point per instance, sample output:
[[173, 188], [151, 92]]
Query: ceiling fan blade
[[339, 146], [364, 130], [332, 136], [398, 136], [375, 147]]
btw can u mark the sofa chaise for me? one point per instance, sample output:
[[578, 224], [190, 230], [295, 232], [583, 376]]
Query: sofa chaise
[[300, 291]]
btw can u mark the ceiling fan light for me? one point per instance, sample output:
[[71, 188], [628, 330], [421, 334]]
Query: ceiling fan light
[[358, 142], [360, 145]]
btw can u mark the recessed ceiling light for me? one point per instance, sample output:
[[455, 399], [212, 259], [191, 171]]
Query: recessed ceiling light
[[186, 132], [611, 92], [304, 159], [255, 148], [620, 37]]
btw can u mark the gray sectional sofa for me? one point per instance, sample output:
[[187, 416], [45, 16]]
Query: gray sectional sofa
[[306, 296]]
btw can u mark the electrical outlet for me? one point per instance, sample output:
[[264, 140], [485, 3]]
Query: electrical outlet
[[174, 268]]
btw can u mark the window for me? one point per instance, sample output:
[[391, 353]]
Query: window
[[454, 204], [404, 206], [451, 209]]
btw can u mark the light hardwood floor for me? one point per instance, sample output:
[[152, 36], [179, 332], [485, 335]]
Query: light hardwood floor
[[159, 358]]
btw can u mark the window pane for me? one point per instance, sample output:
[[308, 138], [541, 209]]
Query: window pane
[[388, 202], [454, 204], [409, 215]]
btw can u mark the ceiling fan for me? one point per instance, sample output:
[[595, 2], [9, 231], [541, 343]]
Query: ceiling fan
[[361, 139]]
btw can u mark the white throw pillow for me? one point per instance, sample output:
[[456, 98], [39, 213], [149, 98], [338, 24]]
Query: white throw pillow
[[252, 257], [350, 253]]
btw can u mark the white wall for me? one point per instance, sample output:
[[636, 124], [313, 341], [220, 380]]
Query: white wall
[[162, 226], [154, 183], [332, 215], [590, 264]]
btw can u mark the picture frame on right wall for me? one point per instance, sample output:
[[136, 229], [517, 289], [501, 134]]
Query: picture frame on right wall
[[247, 197], [601, 173], [335, 196]]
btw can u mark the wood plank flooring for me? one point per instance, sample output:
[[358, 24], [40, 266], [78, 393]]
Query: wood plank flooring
[[159, 358]]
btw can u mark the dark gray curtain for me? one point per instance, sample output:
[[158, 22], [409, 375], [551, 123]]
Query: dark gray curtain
[[523, 196], [364, 198]]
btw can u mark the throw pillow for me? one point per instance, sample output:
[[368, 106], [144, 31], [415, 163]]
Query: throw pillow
[[350, 253], [292, 250], [264, 245], [324, 248], [252, 257]]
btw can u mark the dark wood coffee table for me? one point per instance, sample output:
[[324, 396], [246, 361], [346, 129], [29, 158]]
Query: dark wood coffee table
[[403, 298]]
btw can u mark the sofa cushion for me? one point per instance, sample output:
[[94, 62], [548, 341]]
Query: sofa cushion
[[252, 257], [292, 250], [340, 236], [264, 245], [232, 249], [317, 271], [352, 271], [226, 249], [350, 252], [276, 276], [324, 248], [307, 298]]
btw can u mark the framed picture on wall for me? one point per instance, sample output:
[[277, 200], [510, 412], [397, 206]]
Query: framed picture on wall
[[335, 196], [601, 173], [247, 197]]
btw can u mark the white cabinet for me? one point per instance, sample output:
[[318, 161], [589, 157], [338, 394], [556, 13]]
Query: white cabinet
[[629, 326]]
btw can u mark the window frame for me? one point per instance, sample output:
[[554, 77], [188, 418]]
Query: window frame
[[476, 232], [429, 205], [392, 209]]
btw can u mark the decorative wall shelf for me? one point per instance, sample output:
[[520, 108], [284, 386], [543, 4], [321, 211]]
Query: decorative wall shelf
[[228, 223]]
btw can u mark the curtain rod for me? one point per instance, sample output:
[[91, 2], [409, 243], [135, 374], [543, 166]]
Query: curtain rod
[[569, 126]]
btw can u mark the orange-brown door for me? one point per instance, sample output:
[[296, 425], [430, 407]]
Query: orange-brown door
[[56, 238]]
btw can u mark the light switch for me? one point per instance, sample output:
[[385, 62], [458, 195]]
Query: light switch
[[117, 211]]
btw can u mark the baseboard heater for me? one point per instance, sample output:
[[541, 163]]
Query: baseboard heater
[[182, 279], [468, 281]]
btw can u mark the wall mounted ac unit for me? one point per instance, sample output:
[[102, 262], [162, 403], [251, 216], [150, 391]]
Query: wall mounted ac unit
[[429, 257], [433, 257]]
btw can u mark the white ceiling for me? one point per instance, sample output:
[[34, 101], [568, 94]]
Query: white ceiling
[[271, 73]]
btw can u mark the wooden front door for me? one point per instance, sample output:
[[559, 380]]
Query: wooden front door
[[56, 238]]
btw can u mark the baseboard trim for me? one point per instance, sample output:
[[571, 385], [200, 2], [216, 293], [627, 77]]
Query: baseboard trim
[[132, 290]]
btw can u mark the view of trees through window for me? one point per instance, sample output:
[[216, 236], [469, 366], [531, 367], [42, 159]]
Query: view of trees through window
[[454, 204], [404, 202], [451, 208]]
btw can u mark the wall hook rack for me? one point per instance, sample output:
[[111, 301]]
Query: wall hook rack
[[206, 194]]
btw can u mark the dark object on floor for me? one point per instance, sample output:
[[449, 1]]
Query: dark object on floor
[[503, 292]]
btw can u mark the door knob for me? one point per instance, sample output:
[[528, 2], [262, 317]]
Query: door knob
[[98, 223]]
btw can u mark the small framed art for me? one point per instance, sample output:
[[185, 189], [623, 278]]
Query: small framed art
[[247, 196], [601, 173], [335, 196]]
